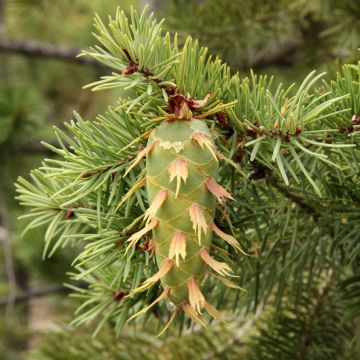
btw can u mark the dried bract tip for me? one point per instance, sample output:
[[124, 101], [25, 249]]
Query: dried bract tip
[[212, 311], [197, 104], [196, 298], [229, 283], [198, 220], [163, 295], [143, 153], [132, 191], [179, 170], [217, 190], [228, 238], [134, 238], [156, 204], [172, 318], [192, 314], [220, 267], [178, 246], [164, 269], [203, 140]]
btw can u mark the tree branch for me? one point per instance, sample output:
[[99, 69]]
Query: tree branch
[[2, 17], [283, 54], [38, 293], [236, 339], [32, 48], [307, 336], [8, 254], [297, 199]]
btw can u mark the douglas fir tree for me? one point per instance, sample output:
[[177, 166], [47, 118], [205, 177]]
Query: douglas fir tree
[[198, 181]]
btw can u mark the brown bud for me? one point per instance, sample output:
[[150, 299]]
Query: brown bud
[[286, 137], [118, 295], [221, 117], [346, 129], [355, 120], [87, 175], [251, 132], [130, 69], [69, 214]]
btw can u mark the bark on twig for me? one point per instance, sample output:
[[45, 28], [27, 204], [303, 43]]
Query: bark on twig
[[297, 199], [283, 55], [2, 17], [26, 296], [236, 339], [44, 50], [8, 255]]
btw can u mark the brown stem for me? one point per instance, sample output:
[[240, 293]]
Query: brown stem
[[315, 311], [2, 17], [297, 199], [5, 238], [283, 54], [45, 50], [238, 337], [25, 296]]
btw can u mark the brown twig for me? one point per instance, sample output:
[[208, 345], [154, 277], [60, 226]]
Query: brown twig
[[45, 50], [22, 297], [297, 199], [2, 17], [315, 312], [8, 254], [238, 337], [262, 172], [283, 54]]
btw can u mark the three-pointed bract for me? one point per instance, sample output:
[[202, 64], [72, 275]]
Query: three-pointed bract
[[178, 246], [164, 269], [133, 239], [217, 190], [198, 220], [179, 170], [159, 199], [204, 140], [220, 267], [196, 298]]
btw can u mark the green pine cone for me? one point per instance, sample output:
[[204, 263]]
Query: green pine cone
[[181, 171], [174, 142]]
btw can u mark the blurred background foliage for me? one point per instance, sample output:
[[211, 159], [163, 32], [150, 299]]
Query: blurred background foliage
[[40, 86]]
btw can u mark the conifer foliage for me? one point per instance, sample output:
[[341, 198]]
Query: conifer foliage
[[197, 175]]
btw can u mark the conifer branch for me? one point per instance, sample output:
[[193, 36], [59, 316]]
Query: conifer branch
[[90, 194]]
